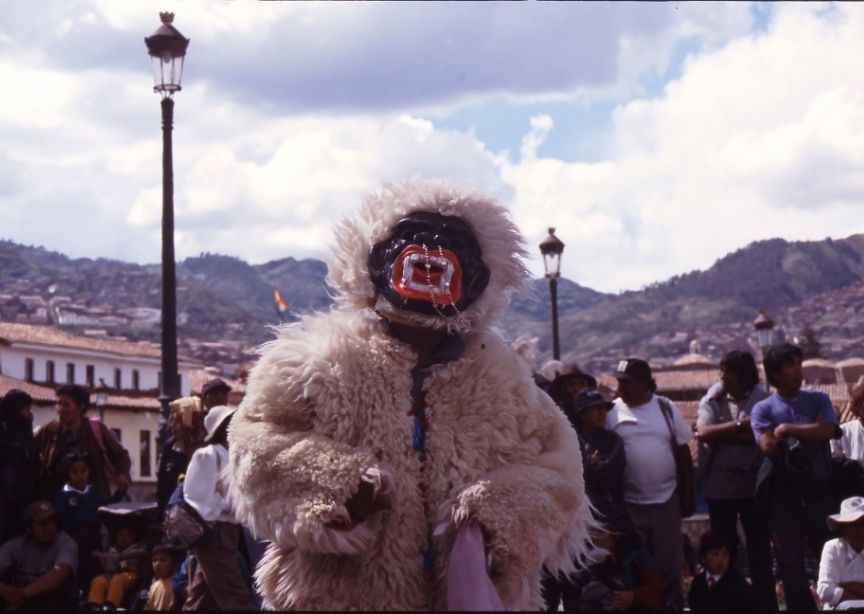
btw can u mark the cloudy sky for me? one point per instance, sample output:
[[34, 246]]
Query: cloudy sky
[[656, 137]]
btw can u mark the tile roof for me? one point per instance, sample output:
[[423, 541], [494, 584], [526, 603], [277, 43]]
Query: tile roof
[[11, 333], [43, 394]]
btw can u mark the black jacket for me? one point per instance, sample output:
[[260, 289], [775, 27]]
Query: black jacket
[[732, 593], [604, 475]]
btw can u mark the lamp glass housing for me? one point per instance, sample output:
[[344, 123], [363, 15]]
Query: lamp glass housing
[[552, 264], [167, 72], [765, 337]]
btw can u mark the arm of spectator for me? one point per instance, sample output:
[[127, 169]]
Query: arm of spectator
[[710, 426], [49, 581], [852, 590], [726, 432], [767, 444], [13, 596], [817, 431], [763, 429], [683, 432], [828, 587]]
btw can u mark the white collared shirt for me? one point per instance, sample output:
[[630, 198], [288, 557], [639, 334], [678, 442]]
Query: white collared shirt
[[840, 563], [205, 487], [851, 444], [708, 577]]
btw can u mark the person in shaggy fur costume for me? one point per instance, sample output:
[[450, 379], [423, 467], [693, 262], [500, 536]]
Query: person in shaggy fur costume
[[401, 411]]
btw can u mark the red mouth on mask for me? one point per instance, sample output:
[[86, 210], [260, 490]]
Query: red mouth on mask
[[432, 274]]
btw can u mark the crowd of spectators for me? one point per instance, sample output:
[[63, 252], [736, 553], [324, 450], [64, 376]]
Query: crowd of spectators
[[68, 542], [778, 463]]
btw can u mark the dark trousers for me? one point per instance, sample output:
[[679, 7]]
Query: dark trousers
[[797, 516], [724, 514], [217, 583]]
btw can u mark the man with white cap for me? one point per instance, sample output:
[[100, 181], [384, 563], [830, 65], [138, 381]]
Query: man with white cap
[[216, 583], [841, 570], [652, 429]]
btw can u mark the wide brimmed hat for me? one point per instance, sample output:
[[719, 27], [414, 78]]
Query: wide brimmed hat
[[572, 371], [214, 384], [851, 510], [215, 418], [588, 397]]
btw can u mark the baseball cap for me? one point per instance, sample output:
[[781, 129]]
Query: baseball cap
[[633, 369], [38, 510]]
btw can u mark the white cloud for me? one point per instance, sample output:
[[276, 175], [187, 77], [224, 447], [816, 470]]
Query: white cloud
[[762, 136]]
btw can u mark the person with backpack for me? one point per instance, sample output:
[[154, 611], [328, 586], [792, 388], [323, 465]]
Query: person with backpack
[[74, 431], [657, 487]]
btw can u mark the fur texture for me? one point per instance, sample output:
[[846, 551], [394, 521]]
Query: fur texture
[[328, 405]]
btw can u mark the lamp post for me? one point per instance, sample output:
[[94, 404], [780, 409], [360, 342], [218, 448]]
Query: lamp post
[[764, 327], [101, 399], [551, 248], [167, 49]]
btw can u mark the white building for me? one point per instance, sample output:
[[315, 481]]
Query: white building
[[37, 359]]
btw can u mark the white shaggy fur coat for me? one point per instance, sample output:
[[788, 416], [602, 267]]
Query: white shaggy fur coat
[[328, 405]]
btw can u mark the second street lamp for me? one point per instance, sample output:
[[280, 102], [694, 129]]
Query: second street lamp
[[551, 248], [167, 49]]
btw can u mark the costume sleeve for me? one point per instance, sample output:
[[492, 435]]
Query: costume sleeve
[[287, 480], [533, 510], [827, 586], [118, 455]]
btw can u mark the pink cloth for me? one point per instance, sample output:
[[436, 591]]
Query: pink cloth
[[468, 585]]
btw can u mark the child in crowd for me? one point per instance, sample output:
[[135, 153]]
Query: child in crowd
[[841, 570], [719, 588], [618, 574], [76, 504], [121, 564], [161, 595]]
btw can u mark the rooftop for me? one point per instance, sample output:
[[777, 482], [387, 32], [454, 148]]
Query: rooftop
[[11, 333]]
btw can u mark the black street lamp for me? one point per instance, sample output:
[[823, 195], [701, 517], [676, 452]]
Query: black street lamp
[[552, 247], [167, 49], [764, 327]]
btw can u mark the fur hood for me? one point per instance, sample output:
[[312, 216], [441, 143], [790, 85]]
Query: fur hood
[[500, 242]]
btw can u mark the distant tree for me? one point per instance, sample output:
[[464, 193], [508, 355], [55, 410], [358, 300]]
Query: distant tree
[[810, 345]]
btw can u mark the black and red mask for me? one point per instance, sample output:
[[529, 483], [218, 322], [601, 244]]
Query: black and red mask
[[431, 264]]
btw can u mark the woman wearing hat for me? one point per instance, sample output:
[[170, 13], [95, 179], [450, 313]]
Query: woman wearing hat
[[841, 570], [216, 583]]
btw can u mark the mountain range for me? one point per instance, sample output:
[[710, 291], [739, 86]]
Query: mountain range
[[813, 286]]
